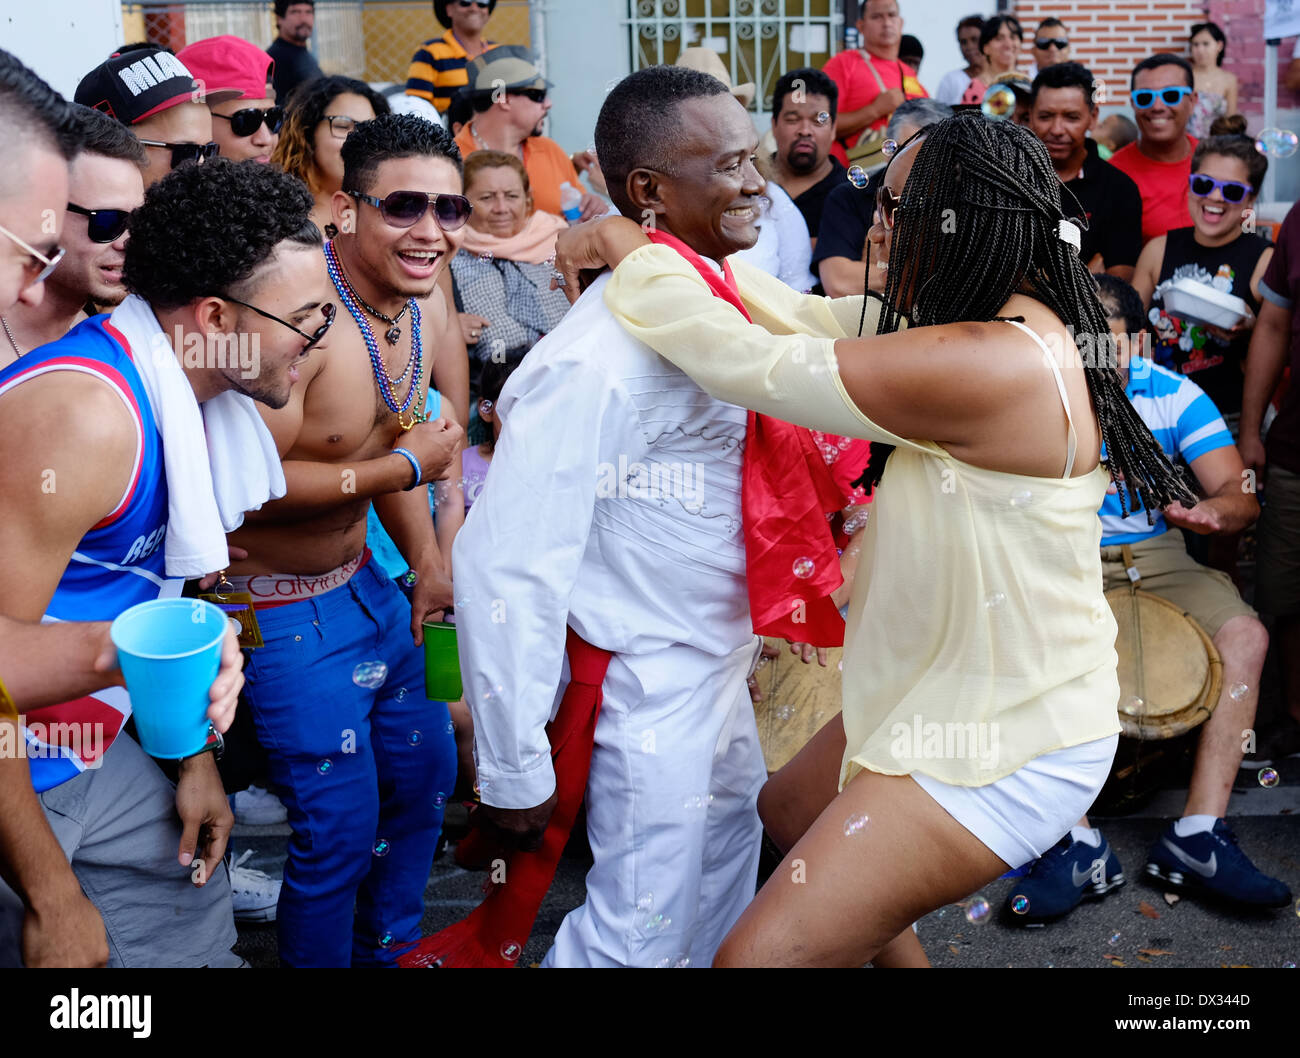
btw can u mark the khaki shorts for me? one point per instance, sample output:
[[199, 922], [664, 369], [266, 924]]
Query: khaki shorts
[[1208, 595], [1277, 546]]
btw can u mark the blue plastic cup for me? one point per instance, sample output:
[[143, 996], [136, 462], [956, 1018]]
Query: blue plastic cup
[[169, 650]]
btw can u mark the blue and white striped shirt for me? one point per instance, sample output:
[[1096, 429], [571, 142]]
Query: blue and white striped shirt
[[1184, 421]]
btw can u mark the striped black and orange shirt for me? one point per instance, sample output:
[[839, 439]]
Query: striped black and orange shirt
[[438, 69]]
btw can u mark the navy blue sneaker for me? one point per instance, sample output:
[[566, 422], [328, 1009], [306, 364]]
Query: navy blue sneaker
[[1064, 875], [1213, 863]]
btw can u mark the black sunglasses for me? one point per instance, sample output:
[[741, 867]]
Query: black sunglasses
[[537, 95], [103, 225], [327, 309], [403, 209], [247, 122], [186, 152], [473, 3], [1043, 43]]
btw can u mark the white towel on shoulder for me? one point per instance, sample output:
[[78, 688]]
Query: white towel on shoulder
[[249, 470]]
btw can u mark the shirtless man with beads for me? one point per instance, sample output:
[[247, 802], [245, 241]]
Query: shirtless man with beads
[[363, 762]]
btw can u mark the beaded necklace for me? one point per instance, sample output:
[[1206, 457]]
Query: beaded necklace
[[386, 385]]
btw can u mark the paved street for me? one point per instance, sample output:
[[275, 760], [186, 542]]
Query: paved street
[[1112, 933]]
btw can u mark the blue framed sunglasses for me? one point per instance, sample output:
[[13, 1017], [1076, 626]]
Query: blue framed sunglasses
[[1145, 98]]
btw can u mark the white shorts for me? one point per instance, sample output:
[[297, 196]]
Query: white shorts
[[1024, 814]]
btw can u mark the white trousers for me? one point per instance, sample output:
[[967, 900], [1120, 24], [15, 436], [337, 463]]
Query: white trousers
[[671, 813]]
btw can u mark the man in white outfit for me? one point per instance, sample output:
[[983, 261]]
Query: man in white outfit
[[614, 508]]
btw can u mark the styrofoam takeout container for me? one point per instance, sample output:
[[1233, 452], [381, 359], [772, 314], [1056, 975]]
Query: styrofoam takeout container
[[1200, 303]]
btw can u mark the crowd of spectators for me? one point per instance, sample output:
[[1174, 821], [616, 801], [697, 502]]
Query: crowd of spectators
[[1162, 198]]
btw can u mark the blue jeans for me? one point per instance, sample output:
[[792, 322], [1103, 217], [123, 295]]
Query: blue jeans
[[364, 773]]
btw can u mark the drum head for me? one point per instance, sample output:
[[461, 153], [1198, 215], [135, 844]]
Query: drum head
[[1169, 671], [797, 700]]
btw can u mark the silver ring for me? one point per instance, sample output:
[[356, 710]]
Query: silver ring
[[558, 276]]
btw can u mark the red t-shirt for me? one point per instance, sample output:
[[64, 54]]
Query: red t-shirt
[[1163, 186], [858, 88]]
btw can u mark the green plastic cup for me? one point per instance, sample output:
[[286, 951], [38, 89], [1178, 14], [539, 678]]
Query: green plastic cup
[[441, 663]]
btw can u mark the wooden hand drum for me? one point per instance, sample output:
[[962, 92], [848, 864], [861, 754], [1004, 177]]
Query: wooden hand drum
[[1170, 673], [797, 700]]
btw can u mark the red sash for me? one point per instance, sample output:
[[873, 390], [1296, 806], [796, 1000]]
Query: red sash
[[495, 932]]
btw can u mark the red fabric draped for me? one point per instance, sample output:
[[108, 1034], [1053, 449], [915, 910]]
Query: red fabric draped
[[494, 933]]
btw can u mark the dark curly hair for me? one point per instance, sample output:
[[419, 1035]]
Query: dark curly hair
[[372, 143], [296, 150], [204, 229]]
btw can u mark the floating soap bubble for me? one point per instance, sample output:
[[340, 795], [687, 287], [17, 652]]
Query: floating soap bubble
[[414, 738], [511, 950], [325, 767], [1268, 777], [657, 923], [855, 825], [382, 847], [386, 941], [1113, 939], [1022, 498], [995, 600], [829, 452], [1277, 143], [823, 118], [1288, 965], [977, 911], [999, 102], [889, 148], [1238, 691], [858, 176], [1133, 706], [451, 727], [235, 626], [370, 675], [785, 712], [439, 799], [485, 407], [803, 568], [486, 255], [645, 903], [400, 694], [1020, 904]]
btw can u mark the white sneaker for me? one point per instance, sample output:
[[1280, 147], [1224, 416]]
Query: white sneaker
[[255, 893], [256, 807]]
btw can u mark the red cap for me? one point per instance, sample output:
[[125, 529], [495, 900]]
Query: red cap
[[229, 68]]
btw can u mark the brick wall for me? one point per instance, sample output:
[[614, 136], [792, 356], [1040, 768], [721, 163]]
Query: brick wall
[[1111, 38]]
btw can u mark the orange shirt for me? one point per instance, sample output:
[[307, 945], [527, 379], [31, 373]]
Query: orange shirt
[[547, 165]]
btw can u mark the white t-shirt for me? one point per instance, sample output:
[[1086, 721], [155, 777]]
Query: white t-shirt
[[953, 86]]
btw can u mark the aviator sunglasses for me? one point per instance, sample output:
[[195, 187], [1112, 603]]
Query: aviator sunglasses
[[103, 225], [1145, 98], [246, 122], [403, 209], [1232, 190]]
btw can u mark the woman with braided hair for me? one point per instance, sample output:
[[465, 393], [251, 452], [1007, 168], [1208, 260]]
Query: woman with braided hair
[[980, 689]]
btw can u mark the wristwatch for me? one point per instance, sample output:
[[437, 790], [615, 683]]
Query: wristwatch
[[216, 745]]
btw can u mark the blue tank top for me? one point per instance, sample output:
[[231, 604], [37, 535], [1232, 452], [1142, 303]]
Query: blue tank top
[[118, 563]]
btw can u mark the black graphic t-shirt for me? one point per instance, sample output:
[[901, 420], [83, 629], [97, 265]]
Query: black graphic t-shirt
[[1189, 348]]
